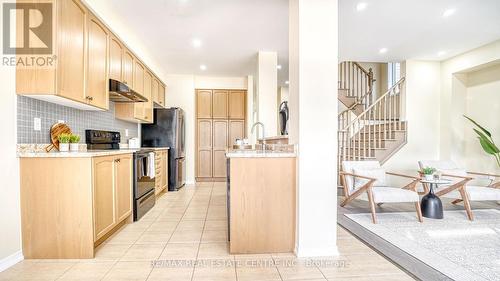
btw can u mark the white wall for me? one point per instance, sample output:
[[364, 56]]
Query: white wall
[[10, 220], [482, 105], [267, 86], [452, 108], [180, 92], [422, 113], [313, 97]]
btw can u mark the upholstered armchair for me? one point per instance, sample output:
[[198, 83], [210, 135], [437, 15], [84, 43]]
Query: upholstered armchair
[[465, 186], [366, 180]]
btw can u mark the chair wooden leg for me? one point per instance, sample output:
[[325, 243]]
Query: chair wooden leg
[[419, 211], [372, 206], [454, 202], [465, 198]]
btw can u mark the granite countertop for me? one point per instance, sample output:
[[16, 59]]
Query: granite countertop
[[259, 154], [275, 138], [38, 151]]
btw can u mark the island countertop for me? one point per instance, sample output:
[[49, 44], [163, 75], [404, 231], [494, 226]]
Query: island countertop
[[80, 154]]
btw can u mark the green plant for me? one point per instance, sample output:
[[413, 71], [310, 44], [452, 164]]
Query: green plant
[[486, 141], [428, 171], [74, 138], [64, 138]]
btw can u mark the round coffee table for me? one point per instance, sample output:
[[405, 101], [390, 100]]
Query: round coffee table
[[431, 205]]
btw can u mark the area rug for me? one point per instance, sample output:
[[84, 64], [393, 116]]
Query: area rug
[[455, 246]]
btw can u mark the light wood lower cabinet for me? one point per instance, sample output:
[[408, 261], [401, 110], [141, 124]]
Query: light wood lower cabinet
[[70, 205], [161, 175], [104, 196], [220, 136], [262, 205]]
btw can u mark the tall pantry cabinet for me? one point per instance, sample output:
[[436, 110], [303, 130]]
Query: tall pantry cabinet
[[220, 120]]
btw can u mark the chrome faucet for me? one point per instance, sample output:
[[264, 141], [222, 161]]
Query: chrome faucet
[[263, 134]]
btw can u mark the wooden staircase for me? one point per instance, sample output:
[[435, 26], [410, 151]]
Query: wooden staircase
[[370, 128]]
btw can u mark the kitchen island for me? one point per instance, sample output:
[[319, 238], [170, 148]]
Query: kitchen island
[[261, 201]]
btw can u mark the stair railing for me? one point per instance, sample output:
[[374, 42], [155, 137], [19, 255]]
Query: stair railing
[[357, 80], [367, 131]]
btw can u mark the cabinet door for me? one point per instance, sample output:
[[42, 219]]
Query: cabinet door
[[115, 59], [139, 87], [104, 197], [154, 91], [204, 104], [148, 106], [161, 95], [237, 105], [204, 134], [128, 69], [123, 187], [219, 104], [164, 171], [219, 148], [97, 69], [236, 131], [72, 55]]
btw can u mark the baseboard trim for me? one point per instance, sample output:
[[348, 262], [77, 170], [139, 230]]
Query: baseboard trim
[[11, 260]]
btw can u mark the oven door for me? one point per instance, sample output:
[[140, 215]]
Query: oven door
[[142, 182]]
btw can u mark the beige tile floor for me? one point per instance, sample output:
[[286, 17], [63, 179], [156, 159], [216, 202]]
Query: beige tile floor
[[191, 225]]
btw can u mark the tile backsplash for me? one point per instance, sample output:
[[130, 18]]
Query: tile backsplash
[[77, 120]]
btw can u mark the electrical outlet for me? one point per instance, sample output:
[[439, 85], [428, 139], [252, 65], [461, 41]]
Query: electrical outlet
[[126, 132], [37, 124]]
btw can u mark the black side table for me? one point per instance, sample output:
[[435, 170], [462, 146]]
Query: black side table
[[431, 205]]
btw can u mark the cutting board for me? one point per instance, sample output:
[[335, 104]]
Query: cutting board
[[55, 131]]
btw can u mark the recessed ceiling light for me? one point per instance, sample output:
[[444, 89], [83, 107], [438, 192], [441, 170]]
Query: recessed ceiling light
[[361, 6], [196, 43], [278, 66], [287, 82], [441, 53], [203, 67], [383, 50], [448, 13]]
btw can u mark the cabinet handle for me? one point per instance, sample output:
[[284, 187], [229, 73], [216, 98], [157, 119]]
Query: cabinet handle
[[117, 160]]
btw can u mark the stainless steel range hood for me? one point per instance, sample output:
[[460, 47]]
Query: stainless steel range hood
[[120, 92]]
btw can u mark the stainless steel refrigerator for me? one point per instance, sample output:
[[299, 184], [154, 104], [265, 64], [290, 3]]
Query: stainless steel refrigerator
[[168, 129]]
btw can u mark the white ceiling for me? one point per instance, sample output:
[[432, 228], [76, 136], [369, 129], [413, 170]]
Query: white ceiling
[[415, 29], [231, 32]]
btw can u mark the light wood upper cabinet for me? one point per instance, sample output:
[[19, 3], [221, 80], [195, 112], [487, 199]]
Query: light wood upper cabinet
[[236, 131], [104, 198], [123, 187], [204, 104], [154, 90], [72, 50], [115, 59], [97, 70], [161, 95], [87, 56], [220, 104], [128, 69], [148, 106], [237, 105]]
